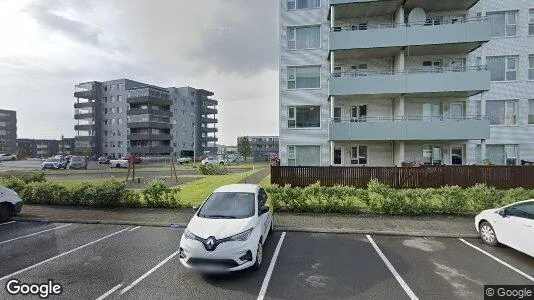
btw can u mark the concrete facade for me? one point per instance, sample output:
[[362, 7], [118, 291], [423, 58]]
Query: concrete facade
[[8, 131]]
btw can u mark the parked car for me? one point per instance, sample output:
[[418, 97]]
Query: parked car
[[228, 231], [212, 161], [137, 159], [511, 225], [119, 163], [54, 163], [10, 203], [183, 160], [103, 160], [68, 158], [6, 157], [78, 162]]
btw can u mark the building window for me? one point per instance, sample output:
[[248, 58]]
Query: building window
[[303, 37], [119, 98], [358, 155], [502, 112], [111, 99], [303, 4], [304, 77], [502, 68], [531, 22], [119, 121], [183, 112], [531, 111], [503, 23], [457, 155], [304, 155], [105, 99], [304, 117], [119, 87], [183, 102], [432, 155], [337, 114], [337, 155], [502, 154], [120, 145], [358, 113], [531, 67]]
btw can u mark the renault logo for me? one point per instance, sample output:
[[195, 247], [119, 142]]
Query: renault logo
[[210, 243]]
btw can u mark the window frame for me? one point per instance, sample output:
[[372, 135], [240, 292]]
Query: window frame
[[531, 22], [506, 117], [506, 14], [295, 5], [433, 161], [359, 156], [531, 66], [294, 118], [506, 70], [340, 149], [530, 108], [294, 39], [292, 70]]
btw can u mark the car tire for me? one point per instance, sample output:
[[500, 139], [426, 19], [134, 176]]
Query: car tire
[[487, 234], [271, 229], [259, 257], [13, 158], [221, 163], [5, 213], [118, 166]]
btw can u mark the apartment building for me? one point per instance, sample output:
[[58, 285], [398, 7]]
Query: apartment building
[[384, 83], [8, 131], [120, 117], [45, 147], [261, 146]]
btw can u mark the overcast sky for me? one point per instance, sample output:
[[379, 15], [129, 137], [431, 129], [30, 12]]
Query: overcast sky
[[226, 46]]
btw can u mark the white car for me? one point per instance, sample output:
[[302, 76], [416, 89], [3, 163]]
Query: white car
[[6, 157], [511, 225], [10, 203], [119, 163], [212, 161], [228, 231]]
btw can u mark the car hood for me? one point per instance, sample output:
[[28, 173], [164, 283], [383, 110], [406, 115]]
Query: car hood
[[488, 211], [218, 228]]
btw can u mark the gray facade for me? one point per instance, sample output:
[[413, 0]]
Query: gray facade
[[261, 146], [120, 117], [42, 148], [8, 131]]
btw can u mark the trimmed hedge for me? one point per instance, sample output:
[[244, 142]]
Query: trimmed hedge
[[381, 199], [212, 170]]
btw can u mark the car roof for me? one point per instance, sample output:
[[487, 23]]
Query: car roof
[[243, 188]]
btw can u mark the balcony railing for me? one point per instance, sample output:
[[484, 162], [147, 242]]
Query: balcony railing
[[380, 72], [429, 22]]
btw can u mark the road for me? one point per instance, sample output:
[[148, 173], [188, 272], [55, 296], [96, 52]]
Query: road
[[141, 263]]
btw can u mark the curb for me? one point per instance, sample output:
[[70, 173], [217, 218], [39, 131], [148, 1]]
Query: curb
[[277, 228]]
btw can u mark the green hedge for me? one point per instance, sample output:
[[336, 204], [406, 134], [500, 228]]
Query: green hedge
[[381, 199], [212, 170]]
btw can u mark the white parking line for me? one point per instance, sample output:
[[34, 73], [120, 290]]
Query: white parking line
[[36, 233], [7, 223], [148, 273], [109, 292], [267, 278], [135, 228], [392, 269], [499, 260], [60, 255]]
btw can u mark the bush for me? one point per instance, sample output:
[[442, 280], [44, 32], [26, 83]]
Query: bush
[[158, 194], [45, 193], [212, 170], [13, 183]]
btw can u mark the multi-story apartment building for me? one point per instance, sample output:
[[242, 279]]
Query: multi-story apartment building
[[382, 83], [45, 148], [261, 146], [124, 116], [8, 131]]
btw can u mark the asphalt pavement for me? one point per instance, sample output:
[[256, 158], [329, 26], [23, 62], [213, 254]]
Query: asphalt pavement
[[132, 262]]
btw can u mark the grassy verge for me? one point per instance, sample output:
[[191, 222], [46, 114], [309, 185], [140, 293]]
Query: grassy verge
[[266, 182]]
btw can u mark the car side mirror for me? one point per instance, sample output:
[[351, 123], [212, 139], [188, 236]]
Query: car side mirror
[[264, 209], [502, 212]]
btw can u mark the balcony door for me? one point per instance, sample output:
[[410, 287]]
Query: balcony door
[[457, 111], [358, 113], [431, 111], [337, 114], [458, 65]]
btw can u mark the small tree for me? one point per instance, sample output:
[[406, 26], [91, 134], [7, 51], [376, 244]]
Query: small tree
[[243, 147], [22, 154]]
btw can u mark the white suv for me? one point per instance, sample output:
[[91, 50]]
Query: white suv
[[212, 161], [10, 203]]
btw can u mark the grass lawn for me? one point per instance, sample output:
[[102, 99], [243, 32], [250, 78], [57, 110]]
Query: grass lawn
[[71, 182], [265, 182]]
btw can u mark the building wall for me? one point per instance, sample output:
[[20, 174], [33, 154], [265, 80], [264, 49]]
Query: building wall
[[183, 119], [314, 57], [522, 89], [261, 146], [8, 131]]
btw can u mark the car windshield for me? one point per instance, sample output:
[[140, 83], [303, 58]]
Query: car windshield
[[228, 205]]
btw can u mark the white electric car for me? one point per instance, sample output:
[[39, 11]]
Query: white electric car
[[511, 225], [228, 231], [10, 203]]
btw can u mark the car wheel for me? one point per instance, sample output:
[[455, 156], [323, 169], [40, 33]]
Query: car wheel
[[221, 163], [259, 257], [13, 158], [488, 234], [271, 229], [118, 166], [5, 213]]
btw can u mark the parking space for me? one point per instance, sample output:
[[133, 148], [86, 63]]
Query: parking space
[[92, 261]]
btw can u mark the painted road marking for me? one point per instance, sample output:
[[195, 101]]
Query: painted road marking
[[7, 223], [148, 273], [60, 255], [499, 260], [135, 228], [109, 292], [392, 269], [267, 278], [36, 233]]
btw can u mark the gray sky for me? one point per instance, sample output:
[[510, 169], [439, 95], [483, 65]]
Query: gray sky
[[226, 46]]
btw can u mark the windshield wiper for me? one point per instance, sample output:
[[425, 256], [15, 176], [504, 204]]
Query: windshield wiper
[[219, 217]]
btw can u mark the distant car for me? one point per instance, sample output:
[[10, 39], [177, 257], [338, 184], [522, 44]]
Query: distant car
[[511, 225], [228, 231], [119, 163], [10, 203], [103, 160], [54, 164], [137, 159], [183, 160], [59, 156], [6, 157], [77, 162], [212, 161], [68, 158]]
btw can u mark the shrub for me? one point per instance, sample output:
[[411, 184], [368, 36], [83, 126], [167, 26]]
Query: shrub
[[45, 193], [13, 183], [212, 170], [33, 177], [158, 194]]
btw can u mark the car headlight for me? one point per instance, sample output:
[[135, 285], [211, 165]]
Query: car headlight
[[189, 235], [243, 236]]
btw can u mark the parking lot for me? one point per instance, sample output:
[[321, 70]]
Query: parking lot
[[92, 261]]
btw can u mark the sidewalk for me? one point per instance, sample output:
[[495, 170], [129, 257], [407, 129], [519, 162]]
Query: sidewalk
[[435, 226]]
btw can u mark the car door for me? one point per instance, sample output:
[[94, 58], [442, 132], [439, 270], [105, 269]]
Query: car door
[[263, 219], [518, 227]]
